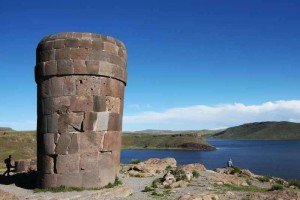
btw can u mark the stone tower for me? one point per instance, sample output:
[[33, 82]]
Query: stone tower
[[80, 91]]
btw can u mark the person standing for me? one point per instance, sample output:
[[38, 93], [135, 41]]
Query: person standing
[[230, 163], [8, 165]]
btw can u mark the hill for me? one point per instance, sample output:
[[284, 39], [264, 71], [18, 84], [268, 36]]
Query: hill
[[6, 129], [191, 141], [261, 131]]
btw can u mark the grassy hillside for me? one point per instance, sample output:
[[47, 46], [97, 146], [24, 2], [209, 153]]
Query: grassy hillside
[[165, 141], [19, 144], [263, 131]]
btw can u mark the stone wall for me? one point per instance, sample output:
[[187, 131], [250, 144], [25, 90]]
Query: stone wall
[[80, 84]]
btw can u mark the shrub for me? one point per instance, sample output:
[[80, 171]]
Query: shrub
[[168, 168], [155, 183], [294, 183], [236, 170], [148, 189], [195, 174], [276, 187], [249, 182], [264, 178], [179, 174], [154, 193], [116, 183], [135, 161]]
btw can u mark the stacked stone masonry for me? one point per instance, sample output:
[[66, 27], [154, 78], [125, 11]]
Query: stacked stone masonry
[[80, 83]]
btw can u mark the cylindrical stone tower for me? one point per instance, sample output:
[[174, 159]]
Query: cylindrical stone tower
[[80, 84]]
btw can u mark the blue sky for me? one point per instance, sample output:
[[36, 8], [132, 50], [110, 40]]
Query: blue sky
[[192, 64]]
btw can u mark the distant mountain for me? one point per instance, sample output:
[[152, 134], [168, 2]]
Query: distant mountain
[[261, 130], [6, 129]]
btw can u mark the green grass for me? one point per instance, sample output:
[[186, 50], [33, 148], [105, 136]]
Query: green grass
[[114, 184], [196, 174], [264, 178], [135, 161], [63, 189], [164, 141], [262, 131], [294, 183], [19, 144], [239, 188], [276, 187]]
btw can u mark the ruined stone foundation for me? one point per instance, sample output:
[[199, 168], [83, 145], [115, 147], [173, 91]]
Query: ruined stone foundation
[[80, 85]]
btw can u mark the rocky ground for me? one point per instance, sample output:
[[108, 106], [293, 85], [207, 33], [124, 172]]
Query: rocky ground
[[163, 179]]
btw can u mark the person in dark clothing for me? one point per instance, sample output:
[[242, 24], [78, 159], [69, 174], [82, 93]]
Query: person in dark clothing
[[8, 165]]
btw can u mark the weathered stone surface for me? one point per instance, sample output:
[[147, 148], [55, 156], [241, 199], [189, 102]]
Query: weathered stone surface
[[69, 85], [63, 143], [106, 168], [99, 104], [81, 79], [102, 122], [74, 180], [194, 167], [67, 164], [112, 141], [81, 103], [114, 122], [91, 141], [52, 123], [65, 67], [75, 144], [113, 104], [57, 86], [48, 180], [50, 68], [89, 161], [49, 143]]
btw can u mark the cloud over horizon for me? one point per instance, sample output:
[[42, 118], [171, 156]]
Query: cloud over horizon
[[216, 116]]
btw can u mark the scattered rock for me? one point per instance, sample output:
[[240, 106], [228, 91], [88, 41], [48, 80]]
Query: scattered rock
[[119, 192], [7, 196], [202, 196], [194, 167]]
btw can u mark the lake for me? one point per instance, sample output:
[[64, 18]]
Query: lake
[[265, 157]]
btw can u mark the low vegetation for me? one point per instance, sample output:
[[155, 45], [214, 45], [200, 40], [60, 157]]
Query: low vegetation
[[135, 161], [117, 182], [276, 187], [240, 188], [63, 189], [164, 141], [295, 183]]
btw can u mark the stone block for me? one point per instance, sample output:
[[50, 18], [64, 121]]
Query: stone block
[[91, 141], [104, 86], [48, 180], [47, 165], [61, 54], [46, 84], [63, 143], [86, 36], [99, 103], [61, 104], [112, 141], [72, 42], [119, 73], [94, 55], [89, 161], [102, 121], [88, 86], [69, 85], [81, 103], [85, 43], [44, 124], [116, 88], [46, 46], [70, 180], [50, 68], [79, 67], [97, 45], [113, 104], [114, 122], [106, 69], [75, 144], [70, 122], [92, 66], [78, 53], [90, 179], [121, 53], [67, 164], [59, 44], [49, 143], [65, 67], [52, 123], [107, 172], [47, 55], [47, 106], [111, 48], [117, 60], [57, 86], [90, 120]]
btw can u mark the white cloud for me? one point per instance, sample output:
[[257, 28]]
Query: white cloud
[[222, 115]]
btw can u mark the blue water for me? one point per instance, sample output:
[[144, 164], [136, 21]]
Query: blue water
[[276, 158]]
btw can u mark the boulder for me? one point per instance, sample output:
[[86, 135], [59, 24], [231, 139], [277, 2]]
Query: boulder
[[194, 167], [201, 196]]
